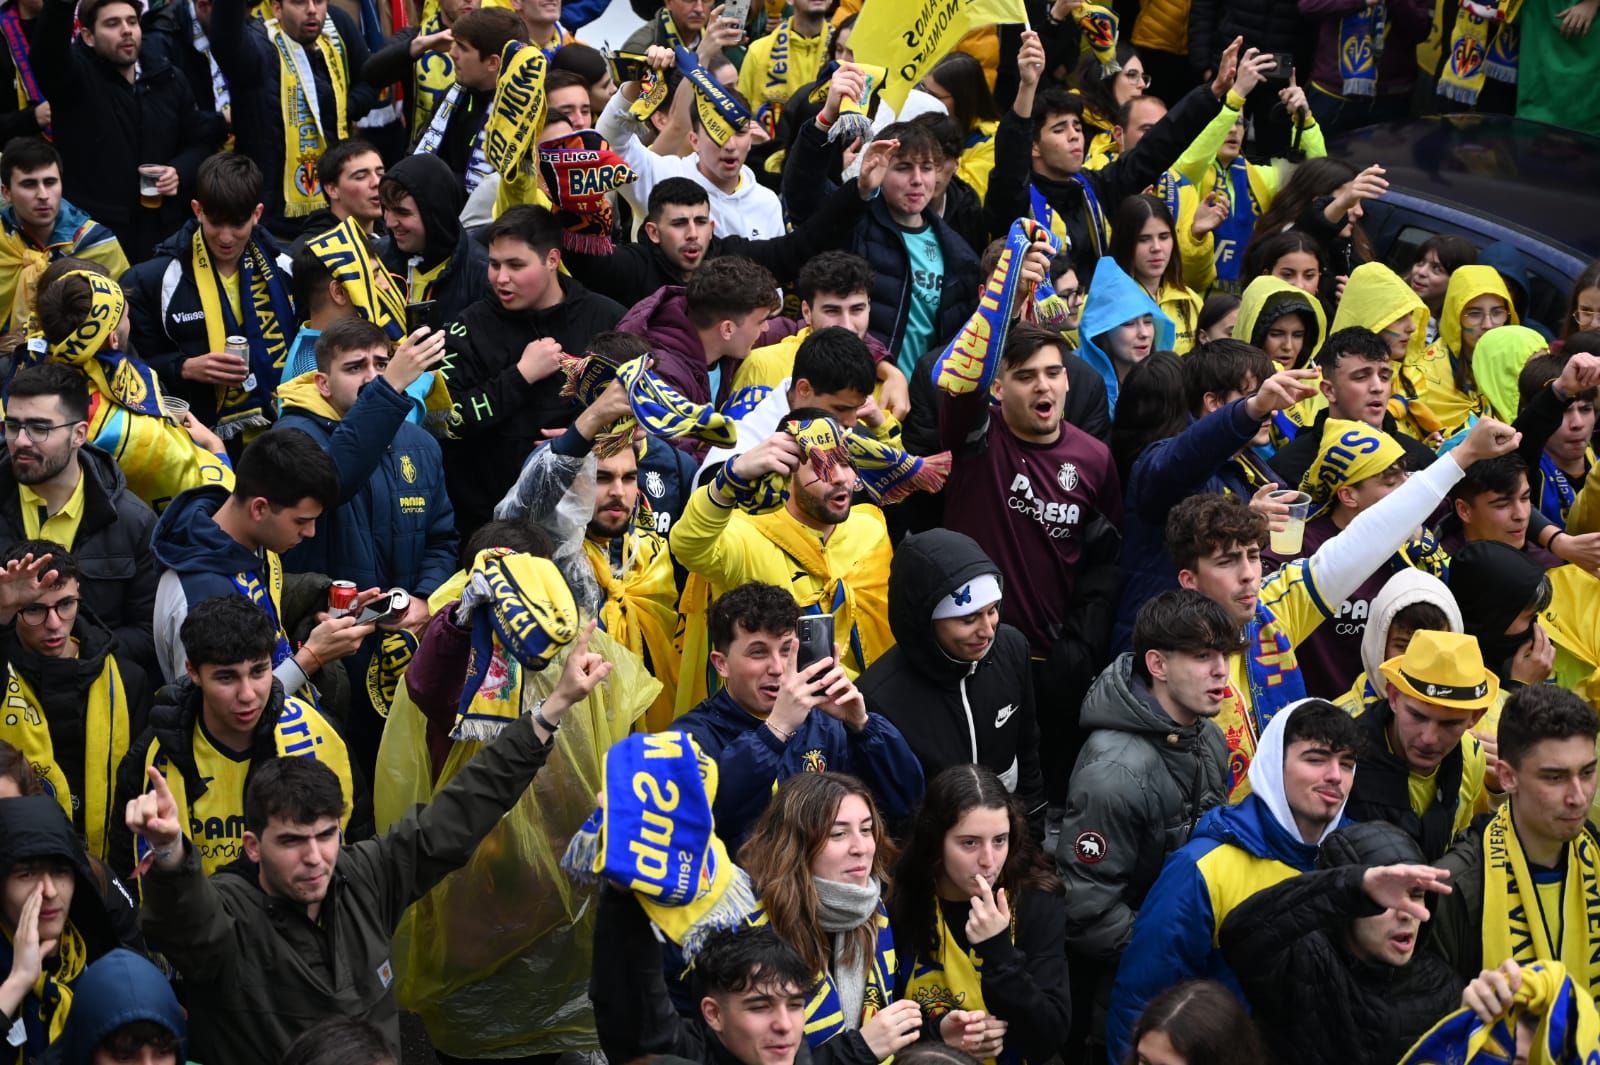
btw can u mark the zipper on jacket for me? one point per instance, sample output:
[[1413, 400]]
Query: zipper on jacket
[[972, 731]]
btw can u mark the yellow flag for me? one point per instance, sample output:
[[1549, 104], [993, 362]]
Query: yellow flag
[[909, 36]]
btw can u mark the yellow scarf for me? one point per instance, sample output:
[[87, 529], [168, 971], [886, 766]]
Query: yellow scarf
[[300, 732], [304, 139], [264, 302], [517, 114], [22, 262], [952, 978], [1514, 922], [433, 75], [373, 293], [640, 611], [105, 741]]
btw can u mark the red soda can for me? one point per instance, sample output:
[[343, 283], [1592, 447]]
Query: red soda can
[[341, 598]]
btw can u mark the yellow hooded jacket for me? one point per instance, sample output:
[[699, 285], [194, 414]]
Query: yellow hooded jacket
[[1375, 298], [1434, 373], [1265, 300]]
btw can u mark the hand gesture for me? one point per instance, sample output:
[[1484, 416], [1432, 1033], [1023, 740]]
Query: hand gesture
[[990, 914], [848, 83], [153, 815], [1535, 660], [1488, 439], [875, 164], [840, 698], [27, 953], [416, 355], [1294, 99], [1030, 60], [1367, 185], [583, 672], [1576, 20], [431, 42], [22, 581], [540, 359], [1211, 213], [799, 690], [1254, 66], [1490, 995], [778, 453], [893, 1028], [1390, 886], [1281, 391], [1581, 373], [1227, 69], [1274, 510]]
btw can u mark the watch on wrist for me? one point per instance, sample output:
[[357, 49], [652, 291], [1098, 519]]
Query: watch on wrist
[[540, 720]]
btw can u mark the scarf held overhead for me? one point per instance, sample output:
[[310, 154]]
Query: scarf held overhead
[[721, 113], [971, 360], [517, 114], [373, 293], [580, 170], [884, 472]]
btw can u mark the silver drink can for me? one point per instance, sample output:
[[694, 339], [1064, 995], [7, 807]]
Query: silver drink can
[[240, 348]]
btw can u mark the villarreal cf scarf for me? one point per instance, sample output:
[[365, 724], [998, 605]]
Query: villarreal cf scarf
[[304, 139], [124, 380], [517, 113], [1484, 43], [432, 77], [1515, 923], [264, 293], [970, 361], [1566, 1033], [1361, 38], [374, 295], [654, 835], [952, 979], [1275, 679]]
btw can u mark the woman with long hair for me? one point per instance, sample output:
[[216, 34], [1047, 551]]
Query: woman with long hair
[[1292, 255], [1105, 94], [1437, 258], [1151, 406], [1198, 1022], [818, 859], [958, 82], [1324, 197], [979, 918], [1144, 243], [1584, 310]]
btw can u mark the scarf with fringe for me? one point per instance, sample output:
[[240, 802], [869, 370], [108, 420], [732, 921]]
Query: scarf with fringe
[[1567, 1031], [1361, 37], [1099, 26], [304, 139], [1484, 43], [657, 406], [580, 169]]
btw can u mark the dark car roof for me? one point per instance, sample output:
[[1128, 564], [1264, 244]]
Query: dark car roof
[[1539, 178]]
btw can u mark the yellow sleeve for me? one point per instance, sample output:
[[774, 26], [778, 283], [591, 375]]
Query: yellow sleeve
[[1291, 596], [1584, 514], [978, 160], [1199, 257], [1474, 795], [752, 72], [710, 541], [1195, 162], [766, 366], [1312, 142]]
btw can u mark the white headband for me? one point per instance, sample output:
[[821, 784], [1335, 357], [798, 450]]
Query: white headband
[[970, 598]]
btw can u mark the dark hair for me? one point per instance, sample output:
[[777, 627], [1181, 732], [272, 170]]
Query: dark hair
[[340, 1041], [718, 61], [990, 258], [1266, 249], [14, 766], [1096, 86], [1538, 712], [330, 168], [963, 78], [283, 467], [61, 560], [63, 302], [125, 1042], [1151, 406], [1061, 264], [1186, 621], [833, 45], [1221, 366], [950, 795], [65, 383], [1205, 1023], [1418, 616], [89, 10], [519, 536], [1540, 371], [616, 347], [226, 630], [1204, 522], [487, 30], [1218, 306], [945, 129], [1589, 279], [675, 192], [582, 60], [27, 154], [308, 281], [1319, 721], [296, 789], [535, 226], [1352, 342], [1025, 341], [564, 79], [1051, 102], [737, 960], [348, 334], [1452, 251], [1311, 181], [754, 607], [838, 272], [835, 360], [728, 287], [1129, 222], [1124, 114], [1503, 475], [228, 188], [917, 143]]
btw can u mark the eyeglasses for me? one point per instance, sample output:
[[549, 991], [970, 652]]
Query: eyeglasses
[[1072, 295], [1586, 316], [1477, 316], [65, 610], [36, 429], [1139, 77]]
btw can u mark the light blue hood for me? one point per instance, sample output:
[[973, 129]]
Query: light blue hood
[[1115, 298]]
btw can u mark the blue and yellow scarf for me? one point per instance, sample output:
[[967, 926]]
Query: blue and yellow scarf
[[824, 1016], [1361, 39], [970, 361], [721, 113], [1275, 679], [121, 378], [264, 293], [1568, 1032], [373, 293]]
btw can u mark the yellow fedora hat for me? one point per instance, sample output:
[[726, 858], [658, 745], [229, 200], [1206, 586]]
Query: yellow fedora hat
[[1444, 669]]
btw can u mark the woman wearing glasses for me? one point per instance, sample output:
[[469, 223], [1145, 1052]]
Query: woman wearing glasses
[[1104, 96], [1476, 301], [1584, 313]]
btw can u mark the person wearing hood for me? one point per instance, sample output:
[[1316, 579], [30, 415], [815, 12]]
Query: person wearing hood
[[219, 276], [1356, 467], [1231, 392], [504, 356], [395, 527], [1502, 592], [1476, 302], [216, 542], [208, 732], [429, 251], [81, 700], [1378, 299], [55, 922], [1328, 960], [1282, 321], [957, 682], [1410, 600], [1151, 766], [59, 487], [1299, 782], [1120, 325], [1356, 384], [1498, 362], [123, 1010], [1422, 769]]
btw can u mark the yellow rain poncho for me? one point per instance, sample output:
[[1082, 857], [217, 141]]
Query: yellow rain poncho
[[1434, 373], [1268, 298], [1496, 362], [1375, 298]]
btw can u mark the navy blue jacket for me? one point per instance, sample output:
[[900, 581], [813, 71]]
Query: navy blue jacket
[[394, 526], [1164, 475], [751, 759]]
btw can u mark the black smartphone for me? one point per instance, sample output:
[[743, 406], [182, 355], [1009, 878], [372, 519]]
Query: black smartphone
[[387, 607], [419, 315], [1282, 66], [815, 632]]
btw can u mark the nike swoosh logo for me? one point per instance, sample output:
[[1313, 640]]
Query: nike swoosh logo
[[1004, 714]]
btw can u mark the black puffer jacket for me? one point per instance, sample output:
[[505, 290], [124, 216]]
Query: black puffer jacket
[[440, 197], [1268, 25], [951, 712], [112, 550], [1315, 1002], [1382, 791]]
